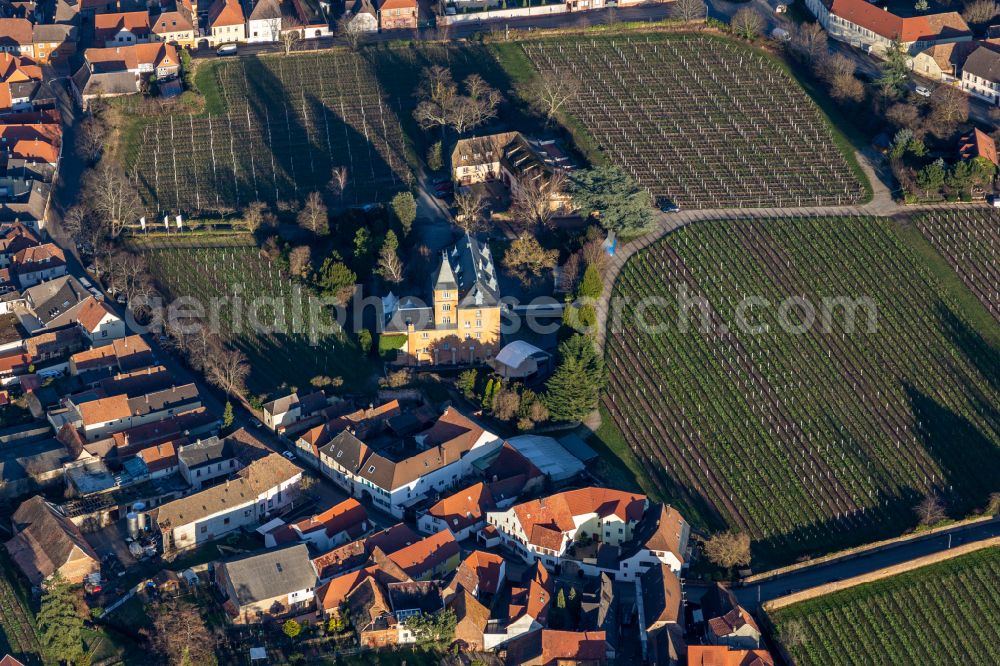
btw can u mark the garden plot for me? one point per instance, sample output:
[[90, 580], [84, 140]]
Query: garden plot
[[288, 355], [969, 240], [702, 121], [813, 439], [288, 123]]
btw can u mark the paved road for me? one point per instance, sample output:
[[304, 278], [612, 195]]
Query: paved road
[[753, 595]]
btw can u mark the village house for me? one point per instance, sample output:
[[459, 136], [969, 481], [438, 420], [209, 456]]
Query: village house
[[226, 23], [32, 141], [205, 460], [20, 78], [16, 36], [260, 490], [471, 620], [99, 322], [364, 16], [527, 611], [978, 144], [338, 525], [120, 355], [45, 541], [943, 62], [177, 26], [54, 43], [356, 555], [428, 558], [38, 263], [728, 623], [160, 459], [361, 422], [121, 70], [720, 655], [122, 29], [981, 74], [464, 512], [594, 531], [660, 609], [549, 647], [599, 611], [100, 417], [462, 324], [291, 410], [272, 584], [873, 28], [398, 14], [481, 574], [17, 236], [397, 473]]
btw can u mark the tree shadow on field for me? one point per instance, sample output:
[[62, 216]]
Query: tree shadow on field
[[302, 162]]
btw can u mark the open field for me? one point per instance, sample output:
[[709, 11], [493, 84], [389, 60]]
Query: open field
[[283, 125], [283, 355], [944, 614], [703, 121], [969, 239], [809, 437]]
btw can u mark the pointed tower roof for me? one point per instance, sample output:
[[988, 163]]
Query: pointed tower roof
[[445, 278]]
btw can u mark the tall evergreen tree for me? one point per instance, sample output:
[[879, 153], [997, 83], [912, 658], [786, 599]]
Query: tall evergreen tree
[[59, 624], [574, 388], [623, 206]]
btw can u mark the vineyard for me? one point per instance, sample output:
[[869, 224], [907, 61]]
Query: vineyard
[[17, 626], [806, 436], [702, 121], [969, 239], [943, 614], [287, 123], [283, 354]]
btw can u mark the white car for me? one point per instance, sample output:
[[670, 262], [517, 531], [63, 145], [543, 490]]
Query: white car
[[226, 50], [922, 91]]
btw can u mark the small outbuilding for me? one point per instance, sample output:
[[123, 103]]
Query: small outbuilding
[[520, 360], [548, 455]]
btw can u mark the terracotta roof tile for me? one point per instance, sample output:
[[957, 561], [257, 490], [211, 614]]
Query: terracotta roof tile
[[720, 655], [107, 26], [15, 31], [419, 558], [225, 12], [348, 516]]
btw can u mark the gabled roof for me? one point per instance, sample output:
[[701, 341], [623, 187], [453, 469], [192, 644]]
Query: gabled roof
[[159, 456], [662, 599], [465, 507], [397, 4], [205, 452], [14, 68], [120, 58], [978, 144], [92, 313], [546, 520], [270, 574], [15, 31], [984, 62], [225, 12], [720, 655], [45, 540], [534, 597], [670, 527], [890, 26], [250, 482], [356, 553], [551, 647], [347, 516], [107, 26], [479, 573], [723, 612], [175, 21], [265, 10], [419, 558]]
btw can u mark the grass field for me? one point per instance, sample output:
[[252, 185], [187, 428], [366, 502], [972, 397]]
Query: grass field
[[286, 354], [809, 437], [944, 614], [703, 121], [272, 130]]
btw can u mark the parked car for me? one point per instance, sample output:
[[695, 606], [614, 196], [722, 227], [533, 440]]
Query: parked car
[[922, 91], [226, 50], [669, 207], [288, 454], [994, 201]]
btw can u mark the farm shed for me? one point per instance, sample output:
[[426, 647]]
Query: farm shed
[[549, 456]]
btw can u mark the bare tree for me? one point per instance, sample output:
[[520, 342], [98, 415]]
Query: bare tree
[[273, 27], [728, 549], [390, 266], [930, 511], [291, 33], [73, 220], [595, 255], [554, 88], [299, 261], [470, 211], [747, 23], [338, 181], [256, 215], [111, 197], [980, 11], [688, 10], [441, 106], [351, 31], [847, 87], [228, 370], [91, 138], [526, 259], [180, 635], [126, 273], [949, 106], [809, 43], [537, 199], [313, 215]]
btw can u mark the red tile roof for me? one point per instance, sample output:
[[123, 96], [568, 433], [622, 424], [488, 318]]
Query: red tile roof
[[423, 556], [16, 30], [107, 26], [479, 570], [978, 144], [720, 655], [348, 516], [890, 26], [119, 58], [545, 520], [159, 457], [225, 12]]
